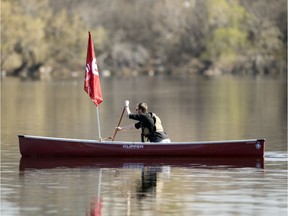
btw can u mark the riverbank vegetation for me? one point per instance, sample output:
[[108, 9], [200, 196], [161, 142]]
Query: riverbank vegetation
[[44, 39]]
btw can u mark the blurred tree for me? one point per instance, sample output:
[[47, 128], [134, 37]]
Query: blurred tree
[[144, 34], [228, 32], [65, 35], [178, 30], [22, 38], [35, 35], [267, 35]]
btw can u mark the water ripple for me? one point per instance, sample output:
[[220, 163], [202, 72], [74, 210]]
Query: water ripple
[[276, 156]]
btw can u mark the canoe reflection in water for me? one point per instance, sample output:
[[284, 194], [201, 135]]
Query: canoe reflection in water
[[138, 162], [146, 185]]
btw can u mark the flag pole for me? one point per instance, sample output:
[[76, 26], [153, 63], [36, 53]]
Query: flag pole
[[98, 123]]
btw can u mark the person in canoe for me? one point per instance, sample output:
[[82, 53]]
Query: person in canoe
[[150, 124]]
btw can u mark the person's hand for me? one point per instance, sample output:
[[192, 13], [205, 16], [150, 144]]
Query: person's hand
[[118, 128], [126, 103]]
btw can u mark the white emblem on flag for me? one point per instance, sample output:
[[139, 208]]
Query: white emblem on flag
[[87, 72], [94, 67]]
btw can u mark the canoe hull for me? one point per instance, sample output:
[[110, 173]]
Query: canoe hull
[[36, 146]]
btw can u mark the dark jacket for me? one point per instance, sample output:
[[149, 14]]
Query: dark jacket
[[146, 122]]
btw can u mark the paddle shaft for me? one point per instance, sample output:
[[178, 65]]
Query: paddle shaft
[[118, 124]]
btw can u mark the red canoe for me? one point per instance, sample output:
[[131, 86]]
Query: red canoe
[[38, 146]]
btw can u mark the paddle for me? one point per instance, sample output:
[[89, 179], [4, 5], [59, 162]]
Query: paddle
[[118, 124]]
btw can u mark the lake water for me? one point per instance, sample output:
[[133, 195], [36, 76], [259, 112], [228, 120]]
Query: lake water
[[191, 109]]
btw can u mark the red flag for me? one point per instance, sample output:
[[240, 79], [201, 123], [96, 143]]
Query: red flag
[[92, 80]]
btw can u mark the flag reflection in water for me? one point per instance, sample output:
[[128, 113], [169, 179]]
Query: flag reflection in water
[[95, 206], [96, 201]]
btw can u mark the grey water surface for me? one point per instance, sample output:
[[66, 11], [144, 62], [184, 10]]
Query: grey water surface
[[191, 109]]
